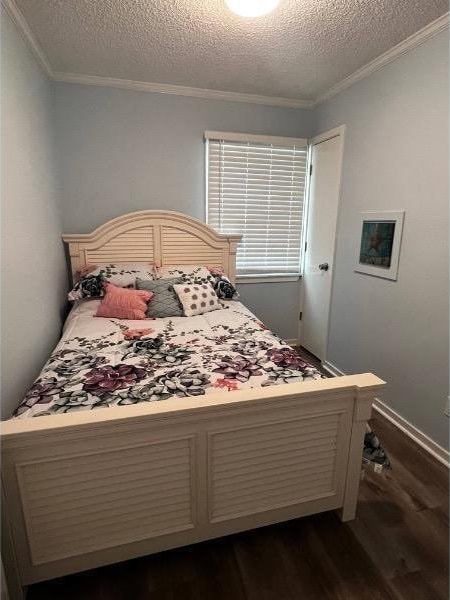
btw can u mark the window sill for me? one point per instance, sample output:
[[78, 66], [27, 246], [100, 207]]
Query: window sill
[[266, 278]]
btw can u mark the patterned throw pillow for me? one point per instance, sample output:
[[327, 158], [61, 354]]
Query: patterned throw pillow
[[91, 286], [120, 274], [197, 298], [165, 302], [224, 289], [124, 274], [188, 273]]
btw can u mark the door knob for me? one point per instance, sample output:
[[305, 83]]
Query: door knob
[[324, 267]]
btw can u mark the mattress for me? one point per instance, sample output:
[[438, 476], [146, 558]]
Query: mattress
[[102, 362]]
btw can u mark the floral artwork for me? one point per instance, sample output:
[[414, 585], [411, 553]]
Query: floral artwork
[[106, 362]]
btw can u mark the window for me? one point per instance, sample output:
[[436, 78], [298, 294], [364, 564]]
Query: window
[[256, 187]]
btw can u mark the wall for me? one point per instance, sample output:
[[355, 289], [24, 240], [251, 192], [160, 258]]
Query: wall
[[33, 268], [396, 157], [119, 151], [122, 150]]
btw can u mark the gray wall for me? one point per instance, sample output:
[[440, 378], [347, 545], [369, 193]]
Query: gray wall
[[121, 151], [34, 276], [396, 157]]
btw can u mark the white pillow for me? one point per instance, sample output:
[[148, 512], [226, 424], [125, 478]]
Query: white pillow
[[188, 273], [123, 274], [197, 299], [91, 279]]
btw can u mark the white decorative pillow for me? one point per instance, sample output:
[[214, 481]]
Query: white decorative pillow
[[91, 279], [197, 299], [123, 274], [188, 273]]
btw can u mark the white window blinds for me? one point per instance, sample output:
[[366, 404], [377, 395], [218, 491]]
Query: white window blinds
[[256, 187]]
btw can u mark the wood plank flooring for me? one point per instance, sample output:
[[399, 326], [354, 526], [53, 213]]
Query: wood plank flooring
[[396, 549]]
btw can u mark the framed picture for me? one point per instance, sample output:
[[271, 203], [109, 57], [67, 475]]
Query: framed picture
[[379, 243]]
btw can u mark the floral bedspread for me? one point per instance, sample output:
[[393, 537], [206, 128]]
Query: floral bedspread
[[106, 362]]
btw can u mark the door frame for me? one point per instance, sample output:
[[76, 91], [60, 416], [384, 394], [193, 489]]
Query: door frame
[[322, 137]]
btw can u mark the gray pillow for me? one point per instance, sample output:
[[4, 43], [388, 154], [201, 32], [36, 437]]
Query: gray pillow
[[165, 302]]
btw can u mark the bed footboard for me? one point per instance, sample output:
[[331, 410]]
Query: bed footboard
[[91, 488]]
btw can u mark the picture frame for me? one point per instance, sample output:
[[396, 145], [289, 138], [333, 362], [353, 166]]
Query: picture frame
[[379, 242]]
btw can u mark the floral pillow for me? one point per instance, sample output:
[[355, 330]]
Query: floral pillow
[[93, 278], [224, 289], [124, 274], [188, 273], [197, 299], [91, 286]]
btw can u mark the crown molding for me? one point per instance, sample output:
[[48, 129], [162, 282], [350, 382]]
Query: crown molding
[[411, 42], [414, 40], [180, 90], [126, 84], [20, 22]]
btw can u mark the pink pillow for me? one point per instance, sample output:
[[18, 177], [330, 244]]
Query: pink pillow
[[123, 303]]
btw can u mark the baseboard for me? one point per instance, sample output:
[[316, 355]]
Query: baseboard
[[291, 341], [420, 438], [332, 369]]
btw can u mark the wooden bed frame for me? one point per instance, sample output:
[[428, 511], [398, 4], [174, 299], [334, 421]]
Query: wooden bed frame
[[86, 489], [154, 236]]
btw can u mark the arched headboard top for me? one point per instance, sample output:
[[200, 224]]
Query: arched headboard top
[[160, 237]]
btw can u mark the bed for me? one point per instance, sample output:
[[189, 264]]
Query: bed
[[219, 427]]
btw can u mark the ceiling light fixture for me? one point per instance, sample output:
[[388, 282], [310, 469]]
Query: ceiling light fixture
[[252, 8]]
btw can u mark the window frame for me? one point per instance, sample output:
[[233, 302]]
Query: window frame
[[263, 139]]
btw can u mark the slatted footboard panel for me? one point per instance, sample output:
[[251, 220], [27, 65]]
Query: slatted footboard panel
[[79, 504], [187, 470], [271, 466]]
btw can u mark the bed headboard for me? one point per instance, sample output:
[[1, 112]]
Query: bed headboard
[[155, 236]]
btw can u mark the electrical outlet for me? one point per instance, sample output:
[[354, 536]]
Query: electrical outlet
[[447, 407]]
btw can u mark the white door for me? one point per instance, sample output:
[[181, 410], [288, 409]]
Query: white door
[[324, 191]]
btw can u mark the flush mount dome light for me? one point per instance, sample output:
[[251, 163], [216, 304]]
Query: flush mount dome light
[[252, 8]]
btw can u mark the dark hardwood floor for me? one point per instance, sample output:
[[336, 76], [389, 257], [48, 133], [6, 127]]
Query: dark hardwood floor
[[313, 360], [396, 549]]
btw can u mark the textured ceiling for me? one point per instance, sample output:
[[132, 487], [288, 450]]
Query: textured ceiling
[[299, 51]]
